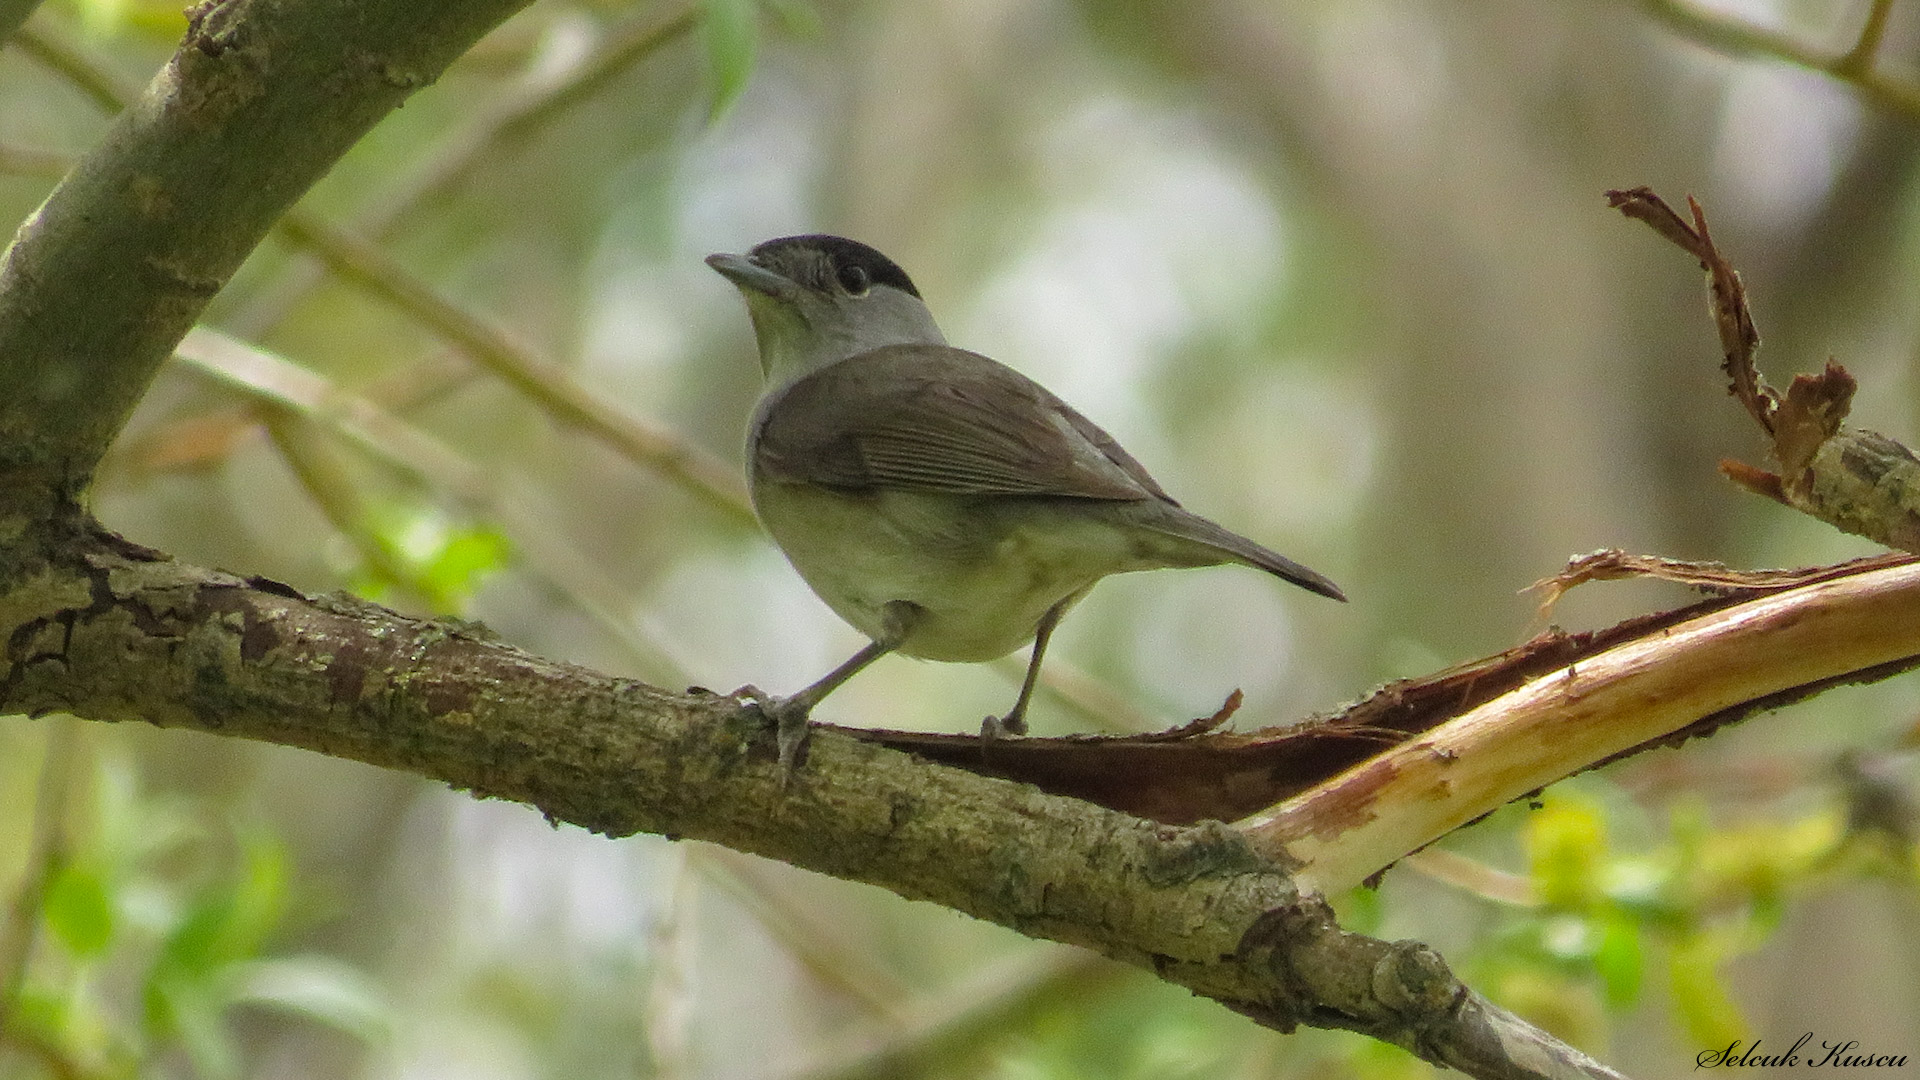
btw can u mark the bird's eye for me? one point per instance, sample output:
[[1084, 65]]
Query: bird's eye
[[854, 279]]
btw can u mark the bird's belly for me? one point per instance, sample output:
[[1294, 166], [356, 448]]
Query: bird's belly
[[980, 575]]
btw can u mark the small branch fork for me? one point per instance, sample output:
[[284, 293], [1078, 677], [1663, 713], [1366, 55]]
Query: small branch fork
[[1858, 67], [1659, 679], [1858, 481]]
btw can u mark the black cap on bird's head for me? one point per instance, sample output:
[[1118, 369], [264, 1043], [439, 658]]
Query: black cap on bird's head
[[822, 262], [817, 298]]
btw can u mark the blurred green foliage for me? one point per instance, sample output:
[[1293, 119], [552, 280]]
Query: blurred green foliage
[[1686, 905], [730, 29], [148, 924], [423, 554]]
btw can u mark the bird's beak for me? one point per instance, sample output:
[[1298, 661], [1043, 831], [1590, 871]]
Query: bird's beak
[[751, 277]]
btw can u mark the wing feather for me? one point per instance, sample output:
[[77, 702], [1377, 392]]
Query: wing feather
[[931, 418]]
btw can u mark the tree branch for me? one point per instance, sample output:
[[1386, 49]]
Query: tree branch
[[1746, 656], [258, 102], [109, 631], [13, 13]]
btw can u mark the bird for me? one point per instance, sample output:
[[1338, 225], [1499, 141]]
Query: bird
[[943, 504]]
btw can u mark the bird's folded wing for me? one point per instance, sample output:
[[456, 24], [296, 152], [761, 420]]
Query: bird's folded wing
[[937, 419]]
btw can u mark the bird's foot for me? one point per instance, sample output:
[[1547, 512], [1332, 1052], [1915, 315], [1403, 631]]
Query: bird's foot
[[792, 730], [999, 727]]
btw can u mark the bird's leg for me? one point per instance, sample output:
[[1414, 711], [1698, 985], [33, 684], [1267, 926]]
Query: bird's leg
[[1015, 722], [789, 714]]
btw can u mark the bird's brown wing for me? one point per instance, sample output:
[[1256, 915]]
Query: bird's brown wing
[[932, 418]]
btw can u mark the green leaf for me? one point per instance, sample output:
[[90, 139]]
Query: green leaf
[[230, 922], [44, 1015], [1619, 961], [468, 558], [1361, 910], [431, 555], [79, 910], [1566, 843], [318, 988], [185, 1008], [1700, 995], [731, 31]]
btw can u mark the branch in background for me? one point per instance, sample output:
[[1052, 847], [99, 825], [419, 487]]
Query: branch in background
[[31, 161], [98, 286], [944, 1029], [108, 89], [13, 13], [1858, 481], [48, 851], [1865, 53], [524, 112], [820, 943], [280, 385], [1857, 67], [522, 115], [518, 118], [546, 384]]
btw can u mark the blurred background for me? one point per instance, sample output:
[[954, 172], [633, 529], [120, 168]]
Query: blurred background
[[1341, 275]]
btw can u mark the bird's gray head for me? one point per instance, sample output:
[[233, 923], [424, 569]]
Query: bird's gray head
[[817, 299]]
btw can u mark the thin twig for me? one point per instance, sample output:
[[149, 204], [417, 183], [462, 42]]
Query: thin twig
[[1860, 59], [549, 556], [524, 114], [668, 1010], [812, 941], [45, 852], [1731, 34], [964, 1018], [519, 117], [545, 383], [1473, 876], [29, 161], [109, 89]]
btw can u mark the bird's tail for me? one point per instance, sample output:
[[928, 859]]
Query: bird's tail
[[1237, 548]]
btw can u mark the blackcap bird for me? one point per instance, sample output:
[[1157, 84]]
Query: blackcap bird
[[944, 504]]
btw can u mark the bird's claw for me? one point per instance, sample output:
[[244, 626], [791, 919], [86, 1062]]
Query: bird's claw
[[792, 729], [999, 727], [792, 732]]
